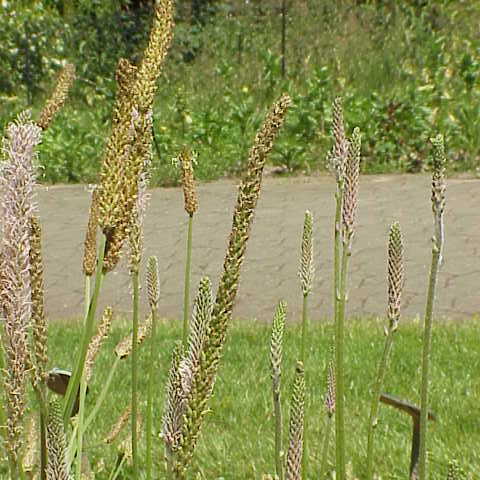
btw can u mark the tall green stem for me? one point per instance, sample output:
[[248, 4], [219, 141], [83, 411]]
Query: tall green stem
[[303, 355], [73, 384], [116, 472], [136, 295], [83, 391], [326, 442], [43, 446], [277, 404], [339, 293], [98, 404], [304, 327], [151, 370], [186, 292], [427, 340], [40, 393], [372, 423]]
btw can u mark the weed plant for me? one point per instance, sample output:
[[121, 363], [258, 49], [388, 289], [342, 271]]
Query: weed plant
[[66, 443]]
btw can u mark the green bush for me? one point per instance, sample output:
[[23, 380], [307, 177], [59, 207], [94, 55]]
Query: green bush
[[402, 67]]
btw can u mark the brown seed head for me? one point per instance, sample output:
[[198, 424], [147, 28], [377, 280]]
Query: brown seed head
[[90, 244], [129, 146], [395, 274], [57, 465], [276, 343], [59, 96], [330, 396], [199, 331], [39, 321], [439, 162], [188, 182], [124, 347], [297, 414], [97, 341], [174, 403], [161, 35], [307, 267], [17, 182], [118, 425], [338, 156], [153, 283], [350, 192]]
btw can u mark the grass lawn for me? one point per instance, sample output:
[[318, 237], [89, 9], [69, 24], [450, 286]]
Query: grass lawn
[[238, 439]]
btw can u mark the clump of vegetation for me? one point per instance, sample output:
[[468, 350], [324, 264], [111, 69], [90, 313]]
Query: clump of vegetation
[[404, 69], [118, 206]]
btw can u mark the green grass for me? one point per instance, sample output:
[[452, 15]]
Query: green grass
[[238, 438]]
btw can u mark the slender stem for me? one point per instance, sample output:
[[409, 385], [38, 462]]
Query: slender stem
[[427, 341], [150, 396], [96, 408], [75, 379], [339, 274], [117, 470], [80, 428], [43, 446], [186, 293], [87, 288], [326, 441], [303, 355], [13, 468], [372, 423], [304, 327], [40, 393], [277, 404], [136, 295], [83, 390], [339, 351], [103, 394]]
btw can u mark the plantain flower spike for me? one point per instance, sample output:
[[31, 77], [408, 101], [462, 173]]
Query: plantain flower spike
[[59, 96]]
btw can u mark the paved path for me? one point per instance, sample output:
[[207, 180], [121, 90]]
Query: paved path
[[270, 268]]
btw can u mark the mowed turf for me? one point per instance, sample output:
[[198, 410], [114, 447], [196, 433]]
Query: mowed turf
[[237, 440]]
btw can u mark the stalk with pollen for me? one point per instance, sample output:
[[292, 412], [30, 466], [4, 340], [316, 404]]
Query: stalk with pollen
[[17, 183], [330, 408], [297, 417], [57, 466], [276, 354], [135, 237], [90, 247], [204, 378], [438, 207], [191, 206], [39, 335], [395, 287], [306, 274], [337, 160], [153, 293], [184, 368], [58, 98], [349, 206], [124, 159]]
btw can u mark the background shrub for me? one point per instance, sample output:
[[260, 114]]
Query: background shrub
[[401, 67]]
